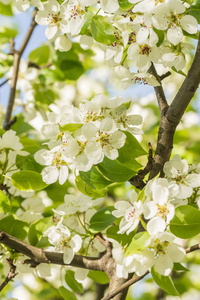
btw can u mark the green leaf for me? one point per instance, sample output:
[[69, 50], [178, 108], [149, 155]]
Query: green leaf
[[138, 243], [124, 4], [115, 170], [4, 203], [186, 222], [72, 282], [66, 294], [161, 36], [195, 11], [165, 283], [40, 56], [71, 127], [7, 33], [87, 22], [99, 277], [28, 181], [123, 239], [57, 192], [20, 126], [36, 230], [179, 72], [15, 227], [179, 267], [102, 219], [102, 30], [87, 190], [131, 149], [94, 178], [6, 10]]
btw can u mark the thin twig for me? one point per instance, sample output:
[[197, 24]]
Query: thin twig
[[4, 82], [162, 102], [12, 273], [17, 58], [163, 76], [133, 280], [192, 248]]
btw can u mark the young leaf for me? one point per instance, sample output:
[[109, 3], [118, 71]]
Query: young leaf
[[99, 277], [40, 56], [15, 227], [138, 243], [6, 10], [72, 282], [66, 294], [102, 30], [28, 181], [195, 11], [123, 239], [102, 219], [186, 222], [165, 283], [87, 190], [35, 234], [124, 4], [95, 179], [116, 171], [131, 149], [4, 203]]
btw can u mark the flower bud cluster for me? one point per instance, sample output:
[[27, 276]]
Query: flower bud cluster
[[81, 137]]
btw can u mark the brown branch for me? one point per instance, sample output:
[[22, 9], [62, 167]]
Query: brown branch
[[137, 180], [192, 248], [131, 281], [38, 255], [163, 76], [17, 58], [12, 273], [171, 116], [162, 102], [4, 82]]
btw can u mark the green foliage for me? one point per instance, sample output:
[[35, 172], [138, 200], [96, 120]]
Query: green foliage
[[66, 294], [7, 33], [4, 203], [165, 283], [124, 4], [94, 178], [186, 222], [28, 181], [138, 243], [102, 31], [15, 227], [72, 283], [195, 11], [88, 190], [99, 277], [102, 219], [124, 239], [6, 10], [36, 230], [40, 56]]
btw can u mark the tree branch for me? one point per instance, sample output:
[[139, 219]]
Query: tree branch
[[131, 281], [171, 116], [160, 95], [192, 248], [12, 273], [17, 58], [137, 180], [38, 255]]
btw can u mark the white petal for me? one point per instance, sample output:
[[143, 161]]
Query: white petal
[[189, 24], [175, 35], [155, 225]]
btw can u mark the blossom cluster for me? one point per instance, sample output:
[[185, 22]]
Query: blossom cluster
[[156, 207], [81, 137], [141, 32]]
